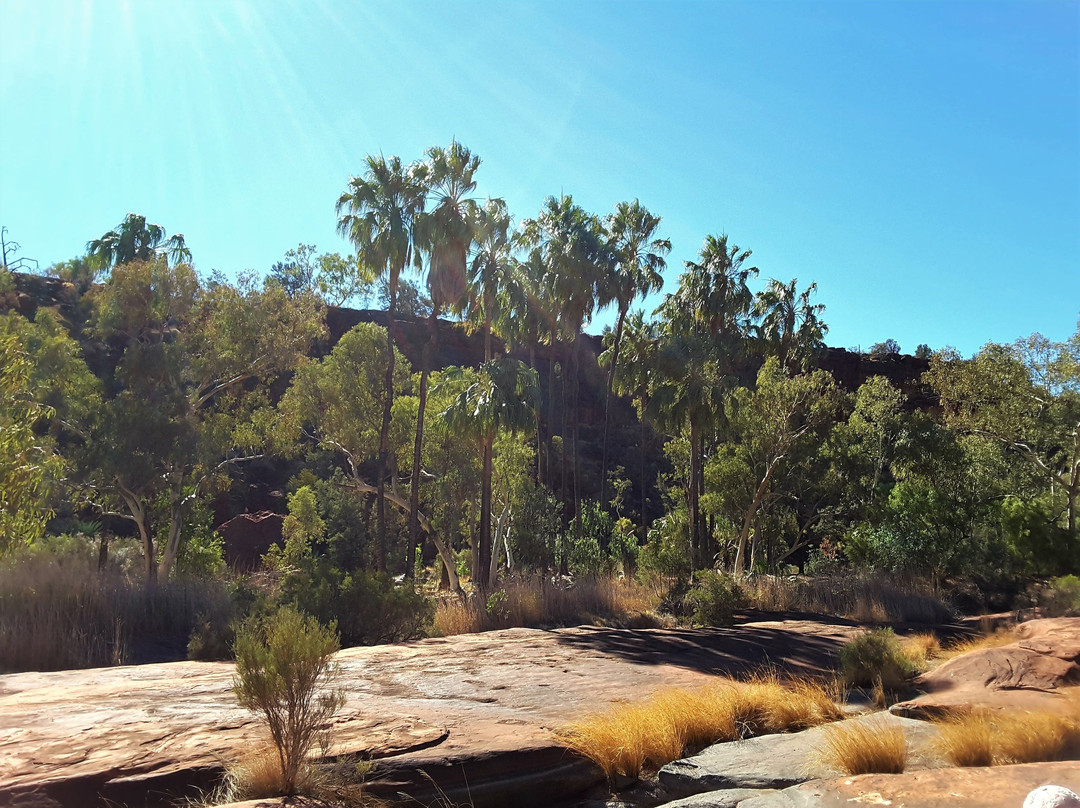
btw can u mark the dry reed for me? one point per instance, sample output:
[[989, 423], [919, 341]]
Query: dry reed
[[57, 616], [630, 738], [541, 602], [866, 597]]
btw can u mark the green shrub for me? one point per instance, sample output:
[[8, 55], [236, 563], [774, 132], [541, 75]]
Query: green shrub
[[283, 665], [1062, 597], [876, 657], [714, 597], [369, 607]]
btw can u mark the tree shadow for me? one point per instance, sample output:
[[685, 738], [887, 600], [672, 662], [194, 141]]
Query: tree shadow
[[737, 650]]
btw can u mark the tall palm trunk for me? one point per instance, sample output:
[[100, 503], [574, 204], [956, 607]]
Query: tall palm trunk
[[641, 419], [384, 437], [482, 555], [607, 402], [693, 502], [414, 486], [576, 359], [538, 476]]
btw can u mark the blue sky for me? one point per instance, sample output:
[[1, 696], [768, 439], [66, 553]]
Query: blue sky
[[920, 160]]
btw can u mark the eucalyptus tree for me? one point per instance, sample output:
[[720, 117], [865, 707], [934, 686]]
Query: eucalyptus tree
[[789, 323], [781, 417], [26, 458], [502, 395], [567, 241], [188, 398], [337, 403], [135, 239], [636, 272], [1026, 397], [445, 233], [378, 213], [704, 328]]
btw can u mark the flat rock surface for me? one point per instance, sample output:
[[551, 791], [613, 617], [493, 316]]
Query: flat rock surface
[[776, 761], [431, 703], [1023, 675], [724, 798], [994, 787]]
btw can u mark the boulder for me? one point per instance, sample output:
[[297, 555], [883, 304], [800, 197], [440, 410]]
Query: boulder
[[1026, 674], [771, 761], [993, 787]]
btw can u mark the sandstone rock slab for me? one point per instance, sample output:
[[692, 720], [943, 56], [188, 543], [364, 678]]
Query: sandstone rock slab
[[772, 761], [464, 705], [1026, 674], [993, 787], [724, 798]]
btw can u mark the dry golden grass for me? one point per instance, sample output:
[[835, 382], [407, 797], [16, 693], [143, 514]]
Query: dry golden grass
[[537, 601], [985, 738], [967, 740], [628, 739], [257, 775], [865, 747], [922, 648], [869, 598], [994, 639]]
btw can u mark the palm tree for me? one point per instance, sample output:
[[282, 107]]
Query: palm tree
[[639, 262], [704, 327], [567, 242], [136, 240], [502, 395], [634, 373], [790, 323], [445, 233], [378, 213]]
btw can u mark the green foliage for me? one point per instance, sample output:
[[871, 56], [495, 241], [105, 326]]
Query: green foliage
[[1034, 533], [668, 551], [536, 530], [300, 529], [876, 657], [1062, 597], [26, 461], [283, 667], [590, 535], [369, 607], [714, 597], [623, 547], [880, 350]]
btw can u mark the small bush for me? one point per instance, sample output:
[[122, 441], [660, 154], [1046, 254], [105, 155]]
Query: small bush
[[876, 657], [714, 598], [865, 747], [1062, 597], [282, 664]]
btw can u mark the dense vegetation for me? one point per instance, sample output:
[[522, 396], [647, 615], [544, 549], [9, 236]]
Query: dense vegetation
[[154, 395]]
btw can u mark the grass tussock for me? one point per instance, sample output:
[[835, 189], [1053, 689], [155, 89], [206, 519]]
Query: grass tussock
[[865, 597], [985, 738], [62, 614], [865, 747], [989, 639], [628, 739], [542, 602], [921, 648]]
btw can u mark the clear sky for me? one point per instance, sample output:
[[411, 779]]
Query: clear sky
[[919, 160]]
